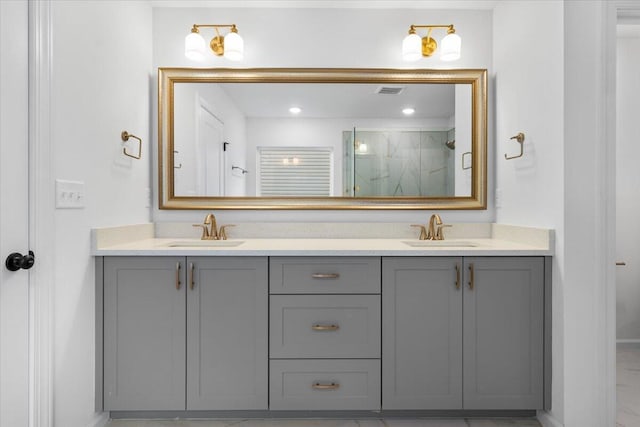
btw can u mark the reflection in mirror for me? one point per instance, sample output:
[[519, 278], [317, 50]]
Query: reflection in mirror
[[280, 142]]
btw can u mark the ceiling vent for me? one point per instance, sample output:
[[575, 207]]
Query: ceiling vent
[[389, 90]]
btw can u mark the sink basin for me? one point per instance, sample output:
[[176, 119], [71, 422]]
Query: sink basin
[[439, 244], [205, 243]]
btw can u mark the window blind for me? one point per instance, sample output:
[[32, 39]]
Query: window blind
[[295, 171]]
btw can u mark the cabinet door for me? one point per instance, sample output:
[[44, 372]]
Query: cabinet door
[[422, 333], [227, 333], [144, 333], [503, 333]]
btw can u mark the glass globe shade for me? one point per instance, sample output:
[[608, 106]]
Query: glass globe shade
[[194, 47], [450, 47], [412, 48], [233, 47]]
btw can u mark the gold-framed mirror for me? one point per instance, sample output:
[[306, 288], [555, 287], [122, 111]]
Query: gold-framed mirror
[[229, 138]]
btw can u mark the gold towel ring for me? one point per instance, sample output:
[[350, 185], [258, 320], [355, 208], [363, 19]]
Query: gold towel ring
[[125, 137]]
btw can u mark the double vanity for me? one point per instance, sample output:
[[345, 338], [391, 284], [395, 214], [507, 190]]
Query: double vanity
[[309, 324]]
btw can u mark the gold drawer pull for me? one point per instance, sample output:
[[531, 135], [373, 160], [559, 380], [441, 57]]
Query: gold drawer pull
[[330, 386], [325, 275], [319, 327]]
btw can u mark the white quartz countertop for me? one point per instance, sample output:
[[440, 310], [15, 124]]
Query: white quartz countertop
[[342, 239], [325, 247]]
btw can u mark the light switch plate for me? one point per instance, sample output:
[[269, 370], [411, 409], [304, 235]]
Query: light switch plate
[[69, 194]]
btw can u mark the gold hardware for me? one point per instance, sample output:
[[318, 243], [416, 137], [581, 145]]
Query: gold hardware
[[210, 229], [429, 45], [423, 231], [178, 283], [439, 233], [325, 275], [125, 137], [471, 284], [217, 42], [192, 269], [319, 327], [205, 231], [457, 276], [330, 386], [470, 165], [622, 263], [222, 234], [520, 139], [431, 232]]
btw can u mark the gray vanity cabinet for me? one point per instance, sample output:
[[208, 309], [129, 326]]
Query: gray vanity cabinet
[[463, 333], [422, 333], [503, 332], [227, 333], [175, 325], [144, 333]]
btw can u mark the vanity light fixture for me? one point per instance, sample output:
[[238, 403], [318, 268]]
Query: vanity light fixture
[[231, 45], [415, 47], [295, 110], [408, 111]]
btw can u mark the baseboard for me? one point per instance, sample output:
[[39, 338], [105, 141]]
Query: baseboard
[[626, 343], [99, 420], [547, 420]]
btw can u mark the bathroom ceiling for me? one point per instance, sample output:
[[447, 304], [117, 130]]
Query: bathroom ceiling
[[333, 100]]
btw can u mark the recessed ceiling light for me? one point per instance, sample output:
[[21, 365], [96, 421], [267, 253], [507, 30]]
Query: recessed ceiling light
[[408, 111], [295, 110]]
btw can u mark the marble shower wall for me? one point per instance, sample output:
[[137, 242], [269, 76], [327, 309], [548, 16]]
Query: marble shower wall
[[400, 163]]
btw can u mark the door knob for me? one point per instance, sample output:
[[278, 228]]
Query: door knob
[[16, 261]]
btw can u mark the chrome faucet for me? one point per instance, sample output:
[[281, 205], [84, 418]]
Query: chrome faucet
[[210, 229]]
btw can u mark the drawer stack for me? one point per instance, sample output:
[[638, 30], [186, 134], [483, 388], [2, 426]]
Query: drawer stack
[[324, 333]]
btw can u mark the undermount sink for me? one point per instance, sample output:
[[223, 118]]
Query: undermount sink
[[205, 243], [439, 244]]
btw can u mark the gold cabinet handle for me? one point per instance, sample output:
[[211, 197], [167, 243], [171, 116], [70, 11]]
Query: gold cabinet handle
[[325, 275], [471, 284], [621, 263], [319, 327], [457, 276], [192, 270], [330, 386], [178, 283]]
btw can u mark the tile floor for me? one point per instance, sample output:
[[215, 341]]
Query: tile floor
[[503, 422], [628, 387]]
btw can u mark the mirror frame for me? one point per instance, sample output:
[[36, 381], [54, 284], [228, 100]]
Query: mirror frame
[[168, 77]]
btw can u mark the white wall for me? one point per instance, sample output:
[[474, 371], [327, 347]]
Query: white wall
[[463, 127], [332, 37], [529, 85], [627, 191], [100, 87], [234, 132]]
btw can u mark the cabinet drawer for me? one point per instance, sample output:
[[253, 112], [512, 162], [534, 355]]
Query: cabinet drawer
[[319, 326], [324, 385], [324, 275]]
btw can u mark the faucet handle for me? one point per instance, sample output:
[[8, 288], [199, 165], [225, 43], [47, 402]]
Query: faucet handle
[[439, 234], [423, 231], [205, 231], [222, 234]]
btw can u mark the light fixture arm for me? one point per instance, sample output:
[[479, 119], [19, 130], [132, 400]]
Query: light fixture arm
[[414, 46], [450, 28]]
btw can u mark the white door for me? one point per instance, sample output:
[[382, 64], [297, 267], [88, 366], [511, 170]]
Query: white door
[[14, 213], [209, 156]]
